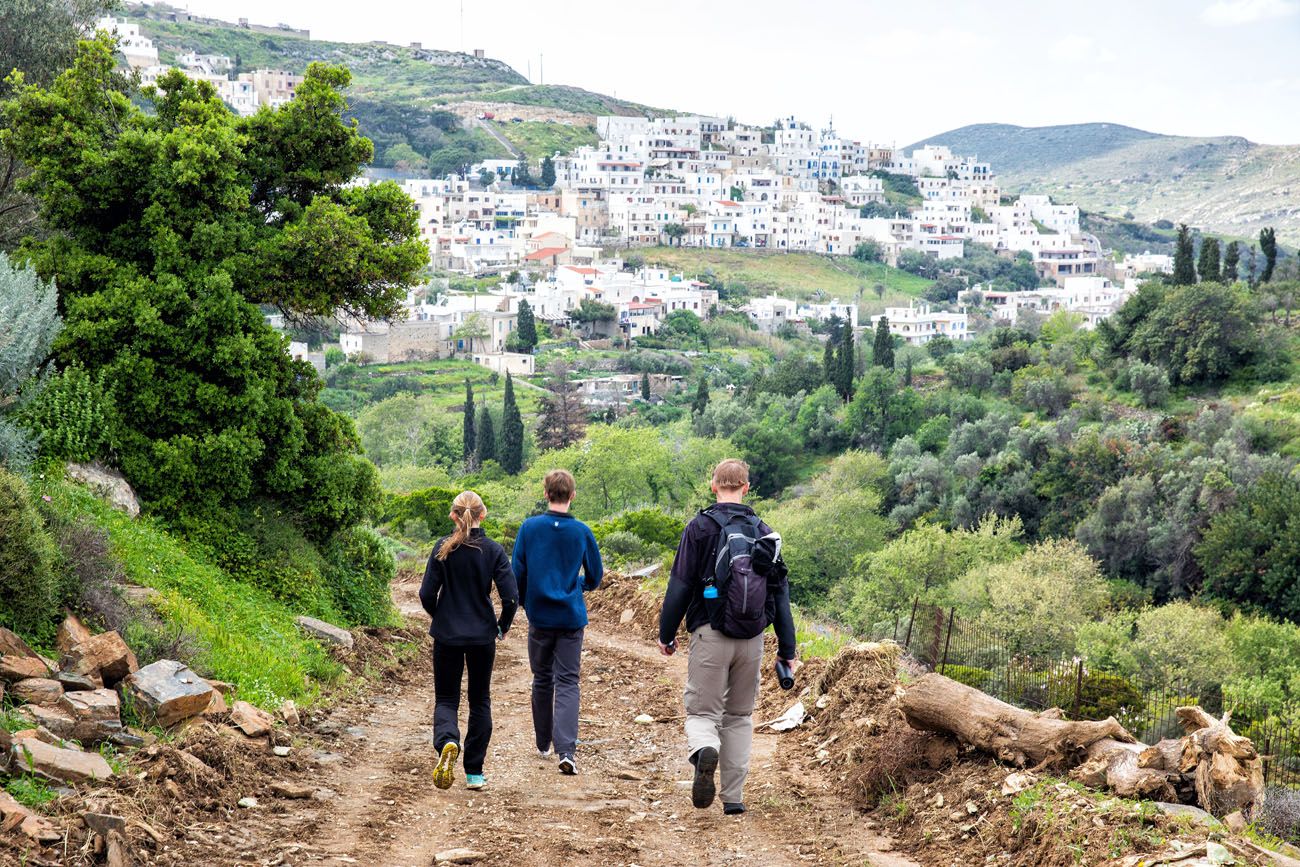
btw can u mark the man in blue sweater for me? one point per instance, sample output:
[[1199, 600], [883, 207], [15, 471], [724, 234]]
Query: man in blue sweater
[[550, 549]]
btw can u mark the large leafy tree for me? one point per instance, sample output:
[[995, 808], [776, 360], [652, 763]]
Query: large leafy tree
[[39, 39], [1251, 552], [167, 229]]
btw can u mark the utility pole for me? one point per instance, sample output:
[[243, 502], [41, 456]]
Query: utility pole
[[462, 26]]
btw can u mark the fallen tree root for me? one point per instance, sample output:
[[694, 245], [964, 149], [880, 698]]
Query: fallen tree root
[[1210, 765]]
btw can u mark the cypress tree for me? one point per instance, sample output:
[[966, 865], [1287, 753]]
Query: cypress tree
[[845, 364], [1208, 264], [469, 442], [512, 432], [701, 396], [548, 173], [1184, 267], [883, 348], [828, 358], [487, 437], [645, 385], [1268, 246], [526, 328], [1231, 256]]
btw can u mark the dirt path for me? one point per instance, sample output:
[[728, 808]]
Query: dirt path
[[629, 806]]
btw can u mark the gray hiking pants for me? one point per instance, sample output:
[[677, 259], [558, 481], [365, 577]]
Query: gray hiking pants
[[722, 677], [555, 656]]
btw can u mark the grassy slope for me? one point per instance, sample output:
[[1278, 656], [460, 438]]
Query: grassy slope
[[573, 99], [796, 274], [1224, 184], [444, 381], [538, 139], [247, 637]]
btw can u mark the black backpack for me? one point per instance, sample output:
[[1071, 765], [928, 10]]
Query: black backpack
[[746, 568]]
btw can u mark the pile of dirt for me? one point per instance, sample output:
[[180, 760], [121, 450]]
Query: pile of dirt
[[979, 811], [622, 606]]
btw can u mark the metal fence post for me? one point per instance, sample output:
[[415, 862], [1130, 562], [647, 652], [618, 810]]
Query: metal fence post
[[1078, 686], [907, 642], [952, 613]]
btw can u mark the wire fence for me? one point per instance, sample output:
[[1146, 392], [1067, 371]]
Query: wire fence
[[1037, 679]]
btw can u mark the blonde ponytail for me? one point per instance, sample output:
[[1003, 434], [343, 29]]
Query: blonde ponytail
[[465, 510]]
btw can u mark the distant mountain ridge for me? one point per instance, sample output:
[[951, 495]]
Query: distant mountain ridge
[[1223, 184]]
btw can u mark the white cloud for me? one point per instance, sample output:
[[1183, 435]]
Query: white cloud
[[1081, 48], [1226, 13]]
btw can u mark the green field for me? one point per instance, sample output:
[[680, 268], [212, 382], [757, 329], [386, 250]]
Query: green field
[[801, 275], [573, 99], [538, 139], [443, 381]]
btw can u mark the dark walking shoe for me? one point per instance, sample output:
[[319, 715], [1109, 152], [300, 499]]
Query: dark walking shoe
[[445, 773], [568, 766], [703, 789], [733, 809]]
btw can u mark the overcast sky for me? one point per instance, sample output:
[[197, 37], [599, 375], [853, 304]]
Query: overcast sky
[[888, 72]]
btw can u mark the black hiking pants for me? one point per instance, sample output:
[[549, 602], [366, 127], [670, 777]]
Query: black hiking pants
[[449, 664]]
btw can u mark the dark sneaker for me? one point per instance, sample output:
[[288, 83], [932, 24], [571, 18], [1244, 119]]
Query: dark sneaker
[[568, 766], [445, 772], [703, 789], [733, 809]]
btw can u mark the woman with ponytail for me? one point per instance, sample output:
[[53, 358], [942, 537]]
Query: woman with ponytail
[[457, 593]]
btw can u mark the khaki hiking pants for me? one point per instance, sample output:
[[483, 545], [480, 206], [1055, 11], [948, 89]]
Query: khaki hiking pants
[[722, 676]]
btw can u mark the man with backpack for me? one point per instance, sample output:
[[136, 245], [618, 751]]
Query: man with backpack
[[556, 560], [729, 583]]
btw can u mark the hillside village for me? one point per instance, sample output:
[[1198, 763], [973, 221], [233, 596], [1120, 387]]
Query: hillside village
[[695, 181]]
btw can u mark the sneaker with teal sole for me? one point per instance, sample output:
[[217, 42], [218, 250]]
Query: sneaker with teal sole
[[445, 772], [475, 781]]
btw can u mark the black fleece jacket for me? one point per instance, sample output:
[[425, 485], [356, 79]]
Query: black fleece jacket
[[685, 596], [457, 592]]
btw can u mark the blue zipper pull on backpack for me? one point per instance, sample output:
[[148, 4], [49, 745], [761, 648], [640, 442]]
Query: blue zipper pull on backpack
[[710, 591]]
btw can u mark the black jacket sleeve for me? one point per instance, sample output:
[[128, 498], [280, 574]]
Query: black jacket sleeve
[[683, 583], [786, 646], [435, 574], [504, 577]]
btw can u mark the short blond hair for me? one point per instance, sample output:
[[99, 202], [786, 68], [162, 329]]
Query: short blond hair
[[559, 486], [731, 475]]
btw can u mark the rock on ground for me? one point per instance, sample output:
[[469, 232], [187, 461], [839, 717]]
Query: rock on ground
[[167, 692], [52, 718], [109, 484], [250, 720], [15, 668], [66, 766], [459, 856], [38, 690], [325, 631], [105, 655], [71, 633], [12, 645], [96, 714], [14, 814]]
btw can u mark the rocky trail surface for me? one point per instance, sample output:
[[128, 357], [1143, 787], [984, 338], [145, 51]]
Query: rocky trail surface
[[629, 805]]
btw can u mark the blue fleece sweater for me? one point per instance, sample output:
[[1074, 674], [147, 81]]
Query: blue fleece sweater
[[549, 550]]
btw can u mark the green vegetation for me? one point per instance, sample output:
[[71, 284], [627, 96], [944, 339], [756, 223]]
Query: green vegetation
[[243, 635], [540, 139], [571, 99]]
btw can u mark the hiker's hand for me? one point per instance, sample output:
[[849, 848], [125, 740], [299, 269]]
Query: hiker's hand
[[668, 649], [794, 664]]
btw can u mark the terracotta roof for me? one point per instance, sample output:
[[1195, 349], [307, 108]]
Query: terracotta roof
[[577, 270], [727, 203], [546, 253]]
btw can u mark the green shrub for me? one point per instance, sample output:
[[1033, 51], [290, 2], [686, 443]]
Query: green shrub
[[979, 678], [622, 548], [1101, 694], [29, 584], [72, 415], [648, 525], [360, 571]]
